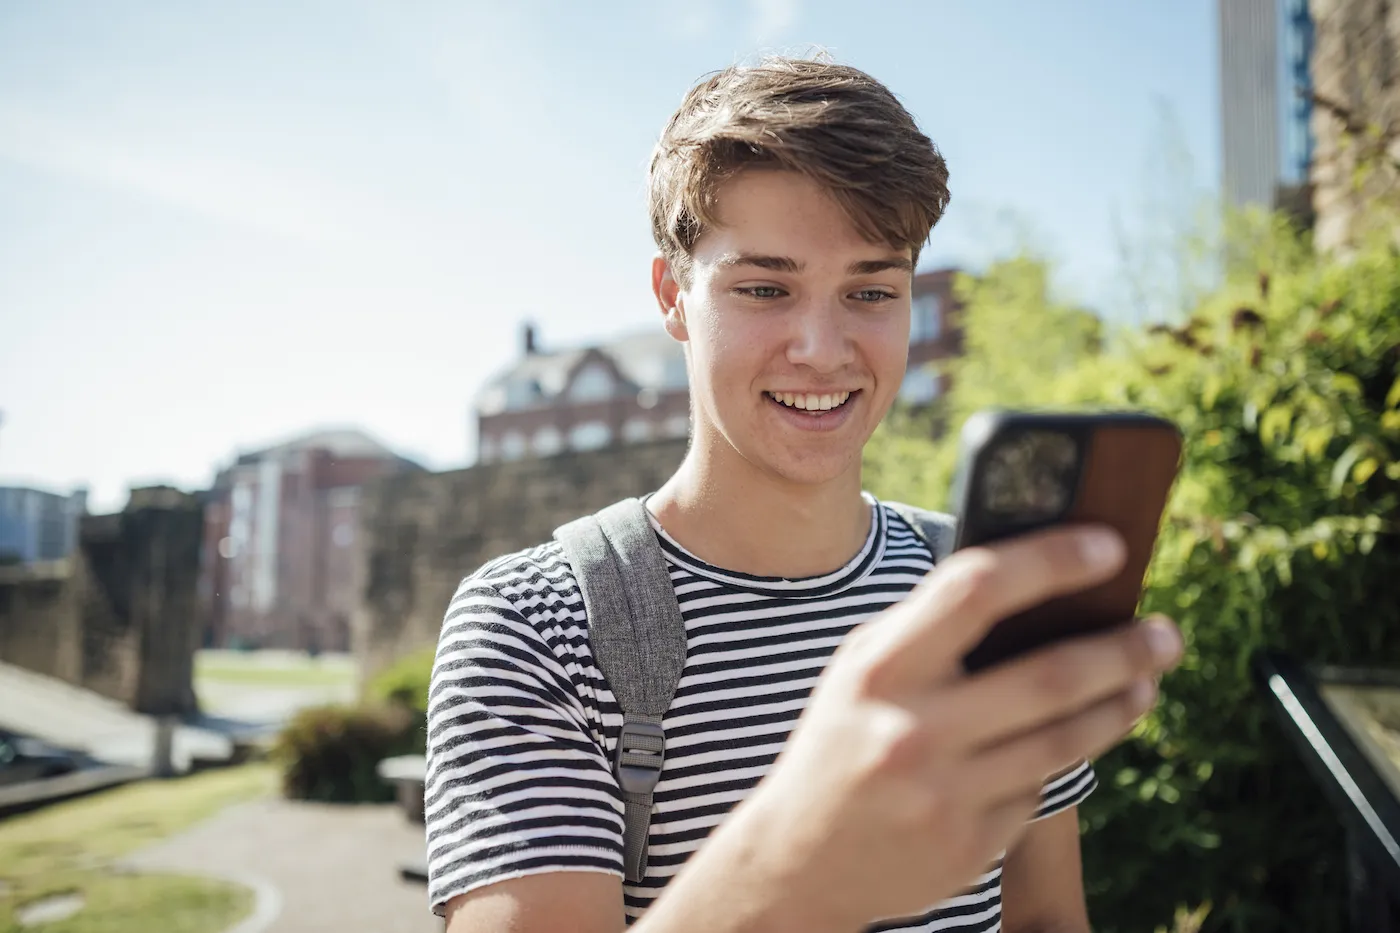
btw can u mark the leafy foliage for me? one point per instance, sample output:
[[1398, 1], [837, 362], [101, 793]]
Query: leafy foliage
[[331, 753], [1281, 532], [405, 684]]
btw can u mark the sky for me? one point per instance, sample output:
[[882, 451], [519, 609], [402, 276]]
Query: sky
[[226, 224]]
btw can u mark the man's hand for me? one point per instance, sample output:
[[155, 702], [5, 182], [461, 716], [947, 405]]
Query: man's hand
[[905, 776]]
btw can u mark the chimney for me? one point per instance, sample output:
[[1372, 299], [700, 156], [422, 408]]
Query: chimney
[[531, 348]]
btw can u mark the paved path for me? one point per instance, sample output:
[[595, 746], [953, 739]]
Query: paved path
[[334, 868]]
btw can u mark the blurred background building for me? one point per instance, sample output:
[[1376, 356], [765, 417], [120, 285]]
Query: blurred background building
[[281, 558], [1265, 101], [36, 525]]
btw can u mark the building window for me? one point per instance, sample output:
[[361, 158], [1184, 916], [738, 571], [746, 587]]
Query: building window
[[344, 534], [590, 435], [926, 318], [636, 429], [920, 386], [512, 445], [548, 441], [593, 383], [523, 393], [487, 451]]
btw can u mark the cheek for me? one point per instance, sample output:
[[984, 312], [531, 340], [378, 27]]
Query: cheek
[[735, 347]]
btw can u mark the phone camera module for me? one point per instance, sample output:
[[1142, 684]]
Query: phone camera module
[[1029, 476]]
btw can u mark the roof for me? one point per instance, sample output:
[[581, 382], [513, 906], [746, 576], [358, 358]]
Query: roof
[[341, 442], [649, 359]]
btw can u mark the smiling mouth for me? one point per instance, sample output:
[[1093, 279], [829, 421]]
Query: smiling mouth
[[813, 403]]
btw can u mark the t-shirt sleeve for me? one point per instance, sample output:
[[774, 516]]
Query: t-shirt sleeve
[[517, 784], [1066, 789]]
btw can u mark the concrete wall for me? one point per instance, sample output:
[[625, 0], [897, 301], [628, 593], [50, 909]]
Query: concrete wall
[[1356, 69], [424, 532], [119, 616]]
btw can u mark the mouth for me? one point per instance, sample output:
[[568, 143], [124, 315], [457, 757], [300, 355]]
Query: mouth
[[812, 404]]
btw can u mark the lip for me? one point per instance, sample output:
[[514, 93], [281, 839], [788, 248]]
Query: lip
[[826, 421]]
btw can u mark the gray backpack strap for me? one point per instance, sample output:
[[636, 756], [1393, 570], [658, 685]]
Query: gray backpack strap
[[638, 640], [938, 530]]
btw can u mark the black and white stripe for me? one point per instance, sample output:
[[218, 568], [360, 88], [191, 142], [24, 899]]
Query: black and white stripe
[[522, 724]]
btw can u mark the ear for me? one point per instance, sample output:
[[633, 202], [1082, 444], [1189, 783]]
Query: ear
[[669, 298]]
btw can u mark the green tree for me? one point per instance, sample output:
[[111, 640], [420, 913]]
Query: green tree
[[1281, 532]]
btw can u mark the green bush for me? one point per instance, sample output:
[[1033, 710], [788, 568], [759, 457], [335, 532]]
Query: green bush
[[406, 681], [331, 753], [405, 684], [1281, 533]]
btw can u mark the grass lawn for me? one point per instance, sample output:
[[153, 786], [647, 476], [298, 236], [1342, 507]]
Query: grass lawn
[[69, 847], [228, 669]]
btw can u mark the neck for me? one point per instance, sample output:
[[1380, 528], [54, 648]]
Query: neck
[[736, 517]]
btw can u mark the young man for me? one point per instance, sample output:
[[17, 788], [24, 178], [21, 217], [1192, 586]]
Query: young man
[[829, 764]]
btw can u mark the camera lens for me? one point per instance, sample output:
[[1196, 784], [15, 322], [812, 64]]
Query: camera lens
[[1030, 475]]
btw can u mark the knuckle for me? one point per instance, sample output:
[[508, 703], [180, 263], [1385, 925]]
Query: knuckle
[[970, 578], [900, 743]]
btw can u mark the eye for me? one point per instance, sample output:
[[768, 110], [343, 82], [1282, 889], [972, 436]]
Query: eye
[[761, 292], [873, 295]]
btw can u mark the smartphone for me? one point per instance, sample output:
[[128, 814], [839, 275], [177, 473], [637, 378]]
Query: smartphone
[[1022, 471]]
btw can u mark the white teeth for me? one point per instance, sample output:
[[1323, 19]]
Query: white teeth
[[811, 403]]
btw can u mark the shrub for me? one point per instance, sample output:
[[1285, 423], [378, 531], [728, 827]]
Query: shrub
[[331, 753], [405, 684], [1281, 533], [406, 681]]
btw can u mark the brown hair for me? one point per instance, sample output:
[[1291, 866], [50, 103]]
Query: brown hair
[[832, 123]]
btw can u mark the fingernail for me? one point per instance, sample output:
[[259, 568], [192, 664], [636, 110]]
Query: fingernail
[[1163, 641], [1101, 547]]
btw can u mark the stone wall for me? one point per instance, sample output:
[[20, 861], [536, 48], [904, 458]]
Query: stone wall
[[38, 619], [424, 532], [1356, 116], [119, 616]]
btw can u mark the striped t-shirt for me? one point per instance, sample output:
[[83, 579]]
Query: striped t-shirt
[[522, 725]]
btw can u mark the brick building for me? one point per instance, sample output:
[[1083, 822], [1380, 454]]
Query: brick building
[[281, 557], [634, 389]]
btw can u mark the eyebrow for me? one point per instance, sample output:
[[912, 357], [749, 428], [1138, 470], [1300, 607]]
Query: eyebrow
[[786, 264]]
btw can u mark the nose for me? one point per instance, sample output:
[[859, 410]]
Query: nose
[[819, 338]]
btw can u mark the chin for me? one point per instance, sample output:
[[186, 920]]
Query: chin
[[812, 470]]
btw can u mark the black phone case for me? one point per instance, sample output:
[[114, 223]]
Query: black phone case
[[1127, 464]]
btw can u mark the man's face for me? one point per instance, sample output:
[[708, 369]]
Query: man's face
[[797, 328]]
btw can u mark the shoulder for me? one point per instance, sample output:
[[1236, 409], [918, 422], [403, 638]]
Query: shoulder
[[528, 599], [910, 531]]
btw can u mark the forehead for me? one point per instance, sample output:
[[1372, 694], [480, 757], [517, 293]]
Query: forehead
[[781, 213]]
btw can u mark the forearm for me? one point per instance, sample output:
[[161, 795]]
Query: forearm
[[739, 882]]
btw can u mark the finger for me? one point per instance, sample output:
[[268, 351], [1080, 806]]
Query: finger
[[1003, 772], [1055, 681], [927, 635]]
